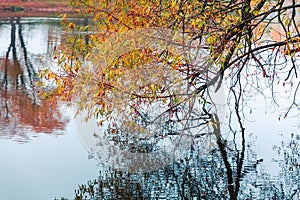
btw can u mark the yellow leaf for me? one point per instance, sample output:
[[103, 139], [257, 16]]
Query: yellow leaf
[[65, 17], [111, 74], [152, 87]]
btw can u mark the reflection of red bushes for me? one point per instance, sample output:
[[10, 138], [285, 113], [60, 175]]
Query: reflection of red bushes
[[24, 109], [44, 117]]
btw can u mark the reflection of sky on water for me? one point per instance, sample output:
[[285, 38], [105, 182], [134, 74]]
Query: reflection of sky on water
[[45, 168], [269, 132], [46, 165], [4, 38], [36, 40]]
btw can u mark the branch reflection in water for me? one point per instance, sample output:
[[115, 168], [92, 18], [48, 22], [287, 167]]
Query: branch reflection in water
[[232, 170]]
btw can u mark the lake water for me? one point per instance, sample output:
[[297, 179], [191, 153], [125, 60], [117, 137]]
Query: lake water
[[43, 155]]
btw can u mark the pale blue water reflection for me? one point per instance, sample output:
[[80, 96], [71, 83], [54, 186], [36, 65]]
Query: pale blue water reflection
[[47, 167]]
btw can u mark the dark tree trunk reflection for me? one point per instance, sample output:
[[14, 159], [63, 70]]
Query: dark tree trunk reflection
[[215, 176], [16, 68], [29, 67], [12, 47], [233, 182]]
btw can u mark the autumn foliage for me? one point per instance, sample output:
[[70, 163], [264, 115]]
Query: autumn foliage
[[188, 47]]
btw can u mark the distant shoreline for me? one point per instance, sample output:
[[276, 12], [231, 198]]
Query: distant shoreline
[[10, 8]]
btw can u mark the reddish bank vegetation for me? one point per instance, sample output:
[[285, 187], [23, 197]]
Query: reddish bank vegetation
[[31, 7]]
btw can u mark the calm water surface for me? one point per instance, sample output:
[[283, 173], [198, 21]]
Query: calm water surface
[[42, 156]]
